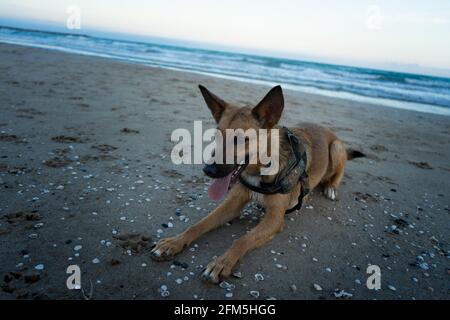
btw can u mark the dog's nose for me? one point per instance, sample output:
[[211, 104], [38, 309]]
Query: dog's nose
[[210, 170]]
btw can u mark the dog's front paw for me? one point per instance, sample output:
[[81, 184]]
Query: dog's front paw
[[330, 193], [218, 269], [166, 248]]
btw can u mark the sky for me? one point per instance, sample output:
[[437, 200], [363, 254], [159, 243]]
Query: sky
[[411, 36]]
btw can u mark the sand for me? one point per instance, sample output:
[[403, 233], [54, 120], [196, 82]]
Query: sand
[[85, 155]]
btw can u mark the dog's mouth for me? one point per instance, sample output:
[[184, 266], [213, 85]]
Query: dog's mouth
[[220, 186]]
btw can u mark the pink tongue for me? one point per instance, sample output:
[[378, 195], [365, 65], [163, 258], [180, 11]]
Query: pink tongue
[[219, 188]]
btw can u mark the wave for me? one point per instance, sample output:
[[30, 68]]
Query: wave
[[416, 92]]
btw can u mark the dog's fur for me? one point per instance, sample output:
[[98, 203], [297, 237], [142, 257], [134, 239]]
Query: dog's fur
[[327, 157]]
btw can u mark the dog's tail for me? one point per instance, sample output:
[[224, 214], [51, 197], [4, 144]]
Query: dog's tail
[[352, 154]]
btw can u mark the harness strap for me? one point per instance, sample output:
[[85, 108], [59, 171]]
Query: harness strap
[[304, 190]]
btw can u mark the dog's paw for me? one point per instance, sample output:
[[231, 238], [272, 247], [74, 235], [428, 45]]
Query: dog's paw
[[330, 193], [218, 269], [166, 248]]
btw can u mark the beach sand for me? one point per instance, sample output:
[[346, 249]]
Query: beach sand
[[85, 153]]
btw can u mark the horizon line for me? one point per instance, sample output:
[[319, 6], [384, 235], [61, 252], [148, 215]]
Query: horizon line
[[205, 46]]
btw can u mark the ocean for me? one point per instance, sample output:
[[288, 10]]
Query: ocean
[[393, 89]]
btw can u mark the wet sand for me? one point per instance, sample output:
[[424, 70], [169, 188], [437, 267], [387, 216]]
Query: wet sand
[[85, 162]]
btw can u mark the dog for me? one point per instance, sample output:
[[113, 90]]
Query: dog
[[326, 158]]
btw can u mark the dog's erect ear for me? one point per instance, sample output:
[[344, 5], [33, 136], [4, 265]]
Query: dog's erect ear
[[214, 103], [268, 111]]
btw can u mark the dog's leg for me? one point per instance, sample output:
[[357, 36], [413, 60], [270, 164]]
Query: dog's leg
[[338, 157], [271, 224], [228, 210]]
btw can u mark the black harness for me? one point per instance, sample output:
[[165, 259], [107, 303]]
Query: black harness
[[288, 178]]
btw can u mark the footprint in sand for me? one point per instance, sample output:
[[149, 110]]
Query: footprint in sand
[[10, 138], [103, 147], [128, 130], [67, 139], [57, 162], [378, 148], [133, 241], [421, 164], [21, 216]]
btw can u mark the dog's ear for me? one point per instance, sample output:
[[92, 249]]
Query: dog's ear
[[268, 111], [214, 103]]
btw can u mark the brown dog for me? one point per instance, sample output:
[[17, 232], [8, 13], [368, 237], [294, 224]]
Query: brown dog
[[325, 166]]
